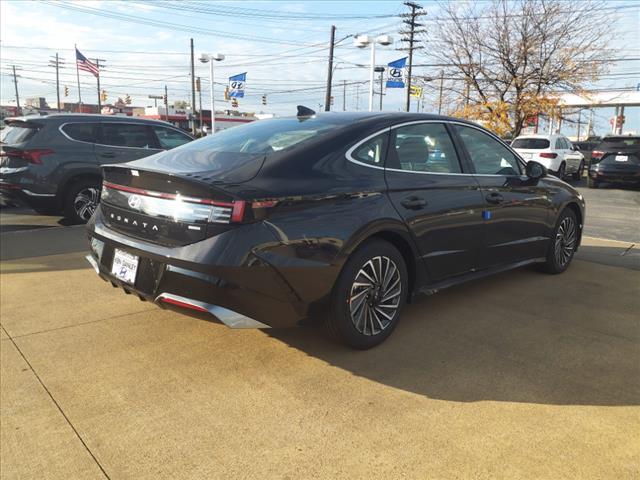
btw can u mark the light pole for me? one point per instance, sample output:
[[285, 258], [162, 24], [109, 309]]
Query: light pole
[[206, 58], [362, 41]]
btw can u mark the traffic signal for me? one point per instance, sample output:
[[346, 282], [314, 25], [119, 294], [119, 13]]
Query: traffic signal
[[103, 95], [197, 84], [234, 102], [127, 100], [66, 91], [264, 99], [226, 93]]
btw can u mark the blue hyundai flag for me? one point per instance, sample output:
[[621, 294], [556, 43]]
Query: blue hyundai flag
[[236, 85], [396, 73]]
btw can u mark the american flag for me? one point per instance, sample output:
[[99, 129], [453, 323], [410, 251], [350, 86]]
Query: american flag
[[85, 64]]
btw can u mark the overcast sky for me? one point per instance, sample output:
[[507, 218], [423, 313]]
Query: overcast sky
[[281, 45]]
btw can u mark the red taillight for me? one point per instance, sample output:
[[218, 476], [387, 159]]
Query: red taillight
[[597, 154], [548, 155], [32, 156]]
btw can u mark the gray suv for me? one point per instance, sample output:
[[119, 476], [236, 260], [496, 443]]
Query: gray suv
[[52, 163]]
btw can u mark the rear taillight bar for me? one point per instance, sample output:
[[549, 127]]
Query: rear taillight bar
[[227, 212], [548, 155]]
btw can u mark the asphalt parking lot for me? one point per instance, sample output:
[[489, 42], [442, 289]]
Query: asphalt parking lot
[[523, 375]]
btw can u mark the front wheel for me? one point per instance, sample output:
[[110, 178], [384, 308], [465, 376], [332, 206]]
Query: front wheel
[[563, 243], [369, 296]]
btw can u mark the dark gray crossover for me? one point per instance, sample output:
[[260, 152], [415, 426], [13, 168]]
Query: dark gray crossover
[[342, 217], [53, 162]]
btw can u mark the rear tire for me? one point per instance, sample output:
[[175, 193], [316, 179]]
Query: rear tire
[[563, 243], [81, 200], [591, 183], [579, 172], [561, 171], [368, 298]]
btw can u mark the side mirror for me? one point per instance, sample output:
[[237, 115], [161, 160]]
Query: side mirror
[[535, 170]]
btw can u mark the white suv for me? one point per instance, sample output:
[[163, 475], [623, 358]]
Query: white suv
[[555, 152]]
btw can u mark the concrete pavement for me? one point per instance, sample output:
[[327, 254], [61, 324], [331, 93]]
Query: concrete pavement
[[523, 375]]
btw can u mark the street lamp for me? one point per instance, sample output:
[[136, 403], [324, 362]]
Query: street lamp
[[362, 41], [206, 58]]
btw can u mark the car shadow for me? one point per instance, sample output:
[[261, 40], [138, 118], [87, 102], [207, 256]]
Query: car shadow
[[521, 336]]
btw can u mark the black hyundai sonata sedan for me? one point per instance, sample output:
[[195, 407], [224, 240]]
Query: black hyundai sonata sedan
[[343, 217]]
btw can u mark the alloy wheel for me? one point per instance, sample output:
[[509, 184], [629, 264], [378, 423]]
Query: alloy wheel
[[86, 202], [375, 295], [565, 241]]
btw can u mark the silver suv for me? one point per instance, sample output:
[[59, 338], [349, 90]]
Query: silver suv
[[52, 163]]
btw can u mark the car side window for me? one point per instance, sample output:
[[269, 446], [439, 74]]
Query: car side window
[[372, 151], [127, 135], [423, 147], [81, 132], [489, 157], [170, 138]]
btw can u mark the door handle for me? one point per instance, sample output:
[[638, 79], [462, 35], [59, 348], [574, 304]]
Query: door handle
[[494, 197], [108, 155], [414, 203]]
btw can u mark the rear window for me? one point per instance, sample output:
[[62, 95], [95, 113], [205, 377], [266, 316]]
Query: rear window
[[82, 132], [620, 142], [264, 136], [530, 143], [18, 132]]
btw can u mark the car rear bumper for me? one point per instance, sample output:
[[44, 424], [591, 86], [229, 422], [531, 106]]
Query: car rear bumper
[[10, 192], [613, 177], [224, 276]]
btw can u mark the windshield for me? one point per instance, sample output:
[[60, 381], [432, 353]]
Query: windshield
[[530, 143], [17, 132]]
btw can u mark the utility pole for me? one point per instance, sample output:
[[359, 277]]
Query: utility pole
[[166, 104], [579, 124], [15, 82], [327, 97], [57, 64], [344, 95], [440, 96], [193, 93], [98, 60], [410, 20], [198, 84]]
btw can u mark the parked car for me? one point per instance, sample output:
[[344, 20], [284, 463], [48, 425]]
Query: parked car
[[587, 146], [52, 163], [617, 160], [555, 152], [339, 216]]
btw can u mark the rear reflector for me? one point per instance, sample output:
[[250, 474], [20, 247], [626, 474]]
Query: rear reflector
[[179, 303]]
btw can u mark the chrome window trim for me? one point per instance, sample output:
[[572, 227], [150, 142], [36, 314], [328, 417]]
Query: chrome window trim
[[118, 123], [415, 122]]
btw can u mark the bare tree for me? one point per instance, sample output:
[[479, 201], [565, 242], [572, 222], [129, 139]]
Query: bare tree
[[509, 57]]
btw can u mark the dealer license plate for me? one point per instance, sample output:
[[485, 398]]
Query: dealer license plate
[[125, 266]]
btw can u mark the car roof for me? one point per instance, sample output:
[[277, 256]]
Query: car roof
[[86, 117], [538, 135]]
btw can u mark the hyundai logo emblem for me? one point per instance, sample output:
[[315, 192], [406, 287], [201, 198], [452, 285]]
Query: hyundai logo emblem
[[135, 202]]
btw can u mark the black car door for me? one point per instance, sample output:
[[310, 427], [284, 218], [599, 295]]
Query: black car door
[[439, 203], [516, 207]]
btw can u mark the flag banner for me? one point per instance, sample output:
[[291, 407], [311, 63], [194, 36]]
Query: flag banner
[[86, 65], [236, 85], [396, 73]]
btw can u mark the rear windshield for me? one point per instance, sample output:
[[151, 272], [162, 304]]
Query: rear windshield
[[530, 143], [264, 136], [17, 132], [620, 142]]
